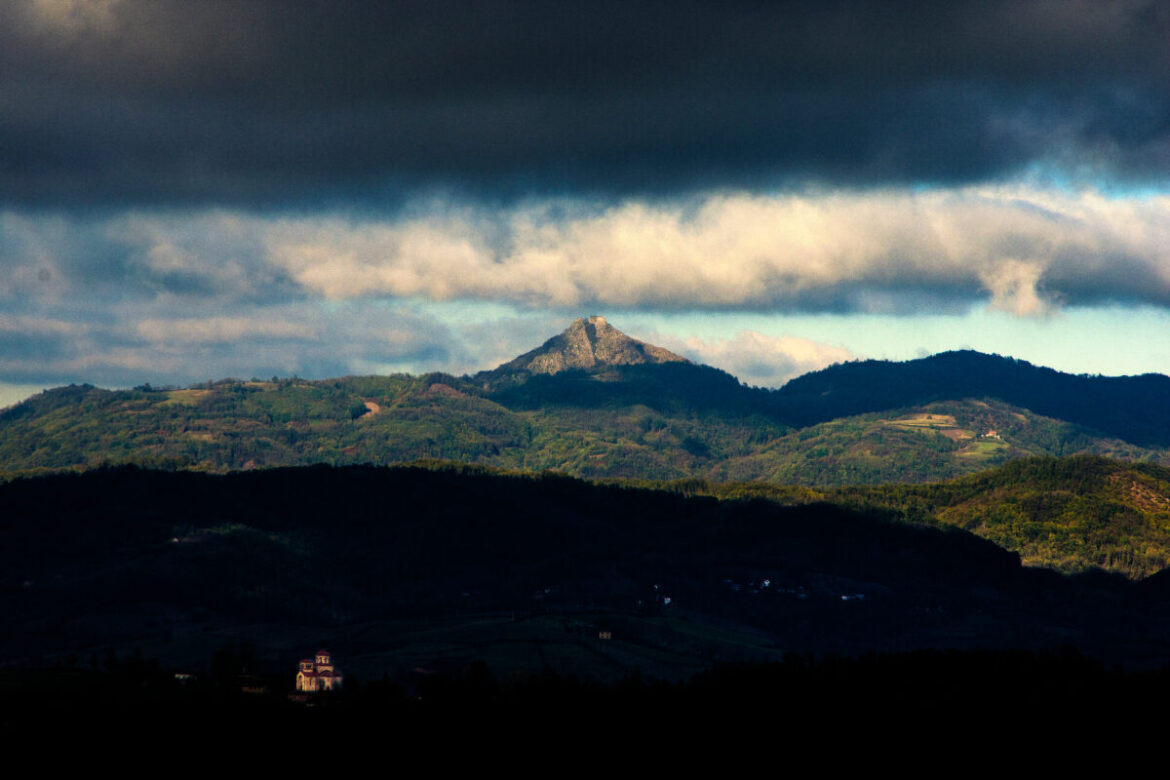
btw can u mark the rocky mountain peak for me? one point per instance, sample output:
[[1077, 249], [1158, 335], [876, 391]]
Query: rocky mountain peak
[[588, 343]]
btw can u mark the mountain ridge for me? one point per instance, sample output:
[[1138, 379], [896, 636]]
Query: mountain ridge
[[1128, 407], [594, 403]]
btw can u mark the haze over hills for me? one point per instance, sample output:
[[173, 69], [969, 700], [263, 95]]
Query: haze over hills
[[593, 402]]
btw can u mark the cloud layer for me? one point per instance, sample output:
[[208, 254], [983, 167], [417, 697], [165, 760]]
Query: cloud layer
[[1024, 251], [188, 296], [142, 101], [1021, 250]]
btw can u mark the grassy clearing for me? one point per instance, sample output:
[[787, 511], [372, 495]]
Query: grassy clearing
[[983, 449], [944, 424], [185, 397], [925, 420]]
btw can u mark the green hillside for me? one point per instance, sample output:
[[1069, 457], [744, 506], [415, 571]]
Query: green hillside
[[935, 441], [233, 425], [1068, 514], [1132, 408]]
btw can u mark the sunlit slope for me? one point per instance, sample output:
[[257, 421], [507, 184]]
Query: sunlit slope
[[916, 444], [1071, 514]]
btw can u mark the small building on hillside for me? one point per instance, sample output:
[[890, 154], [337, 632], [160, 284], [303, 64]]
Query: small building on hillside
[[318, 674]]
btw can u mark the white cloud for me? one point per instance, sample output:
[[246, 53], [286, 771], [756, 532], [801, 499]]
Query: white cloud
[[179, 297], [1013, 287], [39, 326], [192, 330], [72, 16], [760, 359], [1022, 251]]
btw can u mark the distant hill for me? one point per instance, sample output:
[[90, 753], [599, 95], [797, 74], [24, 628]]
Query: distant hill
[[1135, 409], [595, 403]]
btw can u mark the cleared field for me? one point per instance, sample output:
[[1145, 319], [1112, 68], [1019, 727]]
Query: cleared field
[[185, 397], [943, 424], [925, 420], [983, 449]]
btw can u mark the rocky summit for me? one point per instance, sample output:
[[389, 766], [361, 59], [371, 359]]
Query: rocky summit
[[586, 344]]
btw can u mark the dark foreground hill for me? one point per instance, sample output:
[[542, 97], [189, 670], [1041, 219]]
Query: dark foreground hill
[[398, 570]]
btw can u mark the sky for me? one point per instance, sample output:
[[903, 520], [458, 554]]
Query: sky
[[199, 190]]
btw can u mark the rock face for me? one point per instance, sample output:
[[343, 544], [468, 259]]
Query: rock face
[[586, 344]]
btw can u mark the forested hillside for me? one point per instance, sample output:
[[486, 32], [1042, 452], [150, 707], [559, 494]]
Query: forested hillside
[[395, 569], [1071, 514], [1131, 408], [383, 420]]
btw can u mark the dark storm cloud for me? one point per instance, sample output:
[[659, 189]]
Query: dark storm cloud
[[147, 100], [131, 258], [16, 345]]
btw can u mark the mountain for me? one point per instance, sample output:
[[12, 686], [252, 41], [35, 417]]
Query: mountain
[[593, 365], [595, 403], [590, 344]]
